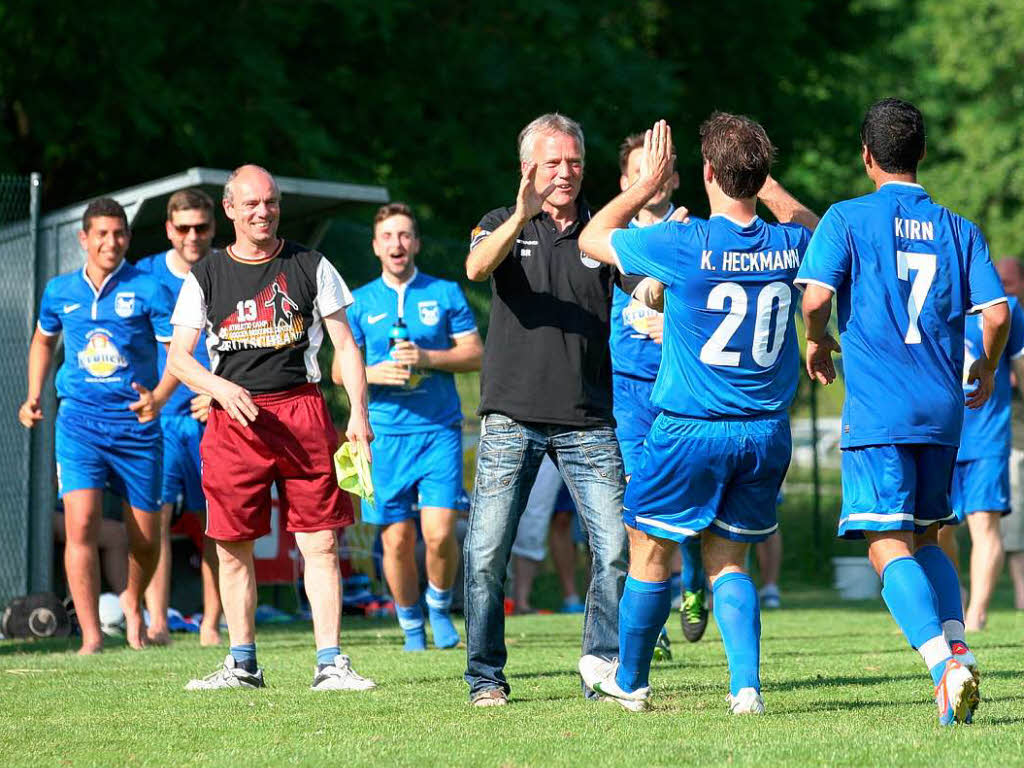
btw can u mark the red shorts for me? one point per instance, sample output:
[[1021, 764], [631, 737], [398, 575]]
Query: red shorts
[[291, 443]]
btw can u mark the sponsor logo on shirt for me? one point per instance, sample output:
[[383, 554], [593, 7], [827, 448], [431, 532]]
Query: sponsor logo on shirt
[[430, 312], [69, 308], [124, 303], [374, 319], [637, 316], [101, 358], [269, 320]]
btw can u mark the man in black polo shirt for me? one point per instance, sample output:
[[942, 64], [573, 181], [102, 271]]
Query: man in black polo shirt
[[545, 389]]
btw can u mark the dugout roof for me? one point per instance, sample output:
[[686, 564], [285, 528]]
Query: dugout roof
[[307, 206]]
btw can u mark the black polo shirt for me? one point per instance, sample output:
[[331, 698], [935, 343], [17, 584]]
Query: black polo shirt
[[546, 357]]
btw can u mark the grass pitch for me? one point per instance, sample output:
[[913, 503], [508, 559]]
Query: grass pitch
[[841, 686]]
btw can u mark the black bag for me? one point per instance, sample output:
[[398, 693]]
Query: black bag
[[38, 615]]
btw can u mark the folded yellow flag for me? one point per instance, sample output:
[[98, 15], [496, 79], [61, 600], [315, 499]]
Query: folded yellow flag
[[354, 472]]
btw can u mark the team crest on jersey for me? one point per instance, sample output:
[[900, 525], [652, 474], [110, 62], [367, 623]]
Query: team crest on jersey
[[124, 303], [101, 358], [430, 312]]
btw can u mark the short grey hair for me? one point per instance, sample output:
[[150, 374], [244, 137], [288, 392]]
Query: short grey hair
[[553, 122], [228, 192]]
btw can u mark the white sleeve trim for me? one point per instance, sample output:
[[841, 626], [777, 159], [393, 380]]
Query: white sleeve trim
[[460, 334], [190, 309], [809, 281], [331, 292], [44, 331], [979, 307], [164, 339]]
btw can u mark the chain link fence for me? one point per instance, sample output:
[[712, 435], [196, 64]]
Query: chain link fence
[[21, 562]]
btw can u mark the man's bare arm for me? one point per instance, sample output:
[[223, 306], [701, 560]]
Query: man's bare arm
[[785, 207], [655, 169], [353, 377], [817, 308], [40, 359], [183, 366], [492, 250]]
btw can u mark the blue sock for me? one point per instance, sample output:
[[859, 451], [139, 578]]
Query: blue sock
[[643, 610], [693, 564], [245, 656], [439, 603], [912, 603], [738, 615], [410, 619], [325, 656], [942, 576]]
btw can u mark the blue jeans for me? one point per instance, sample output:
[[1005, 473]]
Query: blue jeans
[[508, 458]]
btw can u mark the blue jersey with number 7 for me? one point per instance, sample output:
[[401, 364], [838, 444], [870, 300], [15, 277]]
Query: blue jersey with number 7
[[729, 345], [906, 272]]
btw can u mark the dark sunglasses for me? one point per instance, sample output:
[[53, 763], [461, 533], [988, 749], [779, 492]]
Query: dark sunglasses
[[183, 229]]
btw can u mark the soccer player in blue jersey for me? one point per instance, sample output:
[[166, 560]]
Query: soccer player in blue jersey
[[716, 455], [107, 433], [190, 228], [417, 418], [981, 477], [635, 343], [905, 273]]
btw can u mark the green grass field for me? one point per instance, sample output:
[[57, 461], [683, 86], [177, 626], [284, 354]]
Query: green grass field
[[842, 688]]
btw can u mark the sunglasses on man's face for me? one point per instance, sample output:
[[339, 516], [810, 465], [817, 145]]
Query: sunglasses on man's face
[[183, 229]]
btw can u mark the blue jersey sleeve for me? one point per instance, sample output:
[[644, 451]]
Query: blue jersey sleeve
[[49, 313], [161, 307], [827, 259], [354, 314], [650, 251], [460, 316], [984, 285]]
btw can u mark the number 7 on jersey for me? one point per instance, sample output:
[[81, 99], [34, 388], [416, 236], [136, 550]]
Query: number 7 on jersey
[[923, 264]]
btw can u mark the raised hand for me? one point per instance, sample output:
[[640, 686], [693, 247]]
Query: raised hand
[[820, 365], [29, 413], [657, 162], [145, 408], [529, 200]]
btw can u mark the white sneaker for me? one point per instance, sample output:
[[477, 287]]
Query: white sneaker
[[747, 702], [340, 676], [599, 675], [228, 676]]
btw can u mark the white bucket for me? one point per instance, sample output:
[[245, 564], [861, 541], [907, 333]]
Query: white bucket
[[855, 578]]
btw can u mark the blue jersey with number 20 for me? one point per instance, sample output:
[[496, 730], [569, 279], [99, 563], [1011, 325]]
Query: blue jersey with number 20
[[905, 272], [729, 345]]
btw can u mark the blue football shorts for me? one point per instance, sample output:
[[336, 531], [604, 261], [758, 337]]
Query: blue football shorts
[[722, 475], [981, 485], [423, 469], [895, 488], [122, 454], [634, 415], [183, 481]]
